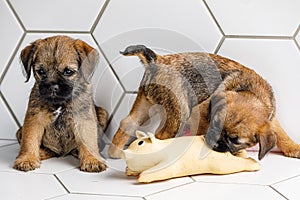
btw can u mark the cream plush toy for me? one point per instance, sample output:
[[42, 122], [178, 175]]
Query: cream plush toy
[[152, 159]]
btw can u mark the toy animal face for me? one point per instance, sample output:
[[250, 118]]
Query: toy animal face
[[143, 153]]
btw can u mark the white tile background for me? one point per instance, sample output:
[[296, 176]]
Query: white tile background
[[261, 34]]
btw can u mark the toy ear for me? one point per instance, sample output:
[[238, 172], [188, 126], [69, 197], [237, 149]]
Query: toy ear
[[150, 136], [140, 134]]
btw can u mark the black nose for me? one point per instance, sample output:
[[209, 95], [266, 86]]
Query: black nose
[[54, 88]]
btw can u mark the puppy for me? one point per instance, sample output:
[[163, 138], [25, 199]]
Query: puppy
[[210, 91], [61, 118]]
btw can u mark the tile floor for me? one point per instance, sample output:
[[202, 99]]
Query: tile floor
[[60, 179]]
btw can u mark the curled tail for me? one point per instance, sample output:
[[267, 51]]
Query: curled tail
[[145, 54]]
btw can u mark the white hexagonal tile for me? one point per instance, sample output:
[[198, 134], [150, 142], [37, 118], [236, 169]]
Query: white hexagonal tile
[[288, 188], [187, 23], [7, 123], [244, 17], [107, 89], [58, 15], [13, 82], [271, 171], [10, 34], [29, 186], [217, 191], [9, 153], [278, 62], [93, 197], [113, 182]]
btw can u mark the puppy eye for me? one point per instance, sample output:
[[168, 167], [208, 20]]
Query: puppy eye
[[68, 72], [234, 139], [41, 72], [140, 143]]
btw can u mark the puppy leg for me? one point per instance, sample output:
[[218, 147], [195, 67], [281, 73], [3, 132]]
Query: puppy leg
[[86, 136], [138, 115], [30, 136], [102, 116], [288, 147]]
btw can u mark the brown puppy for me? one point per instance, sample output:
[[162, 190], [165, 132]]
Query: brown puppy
[[181, 82], [61, 117]]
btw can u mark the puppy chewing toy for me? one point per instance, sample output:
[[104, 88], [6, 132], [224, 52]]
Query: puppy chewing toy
[[152, 159]]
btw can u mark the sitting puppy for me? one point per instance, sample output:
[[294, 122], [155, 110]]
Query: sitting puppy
[[181, 82], [61, 117]]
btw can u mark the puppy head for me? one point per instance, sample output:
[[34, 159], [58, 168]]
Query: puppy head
[[60, 64], [246, 138]]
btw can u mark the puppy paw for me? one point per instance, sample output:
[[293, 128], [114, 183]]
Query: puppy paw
[[114, 152], [27, 163], [92, 165]]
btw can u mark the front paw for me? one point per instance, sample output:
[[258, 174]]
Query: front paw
[[92, 165], [27, 163]]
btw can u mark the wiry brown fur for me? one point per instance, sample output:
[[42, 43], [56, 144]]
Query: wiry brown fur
[[61, 117], [236, 104]]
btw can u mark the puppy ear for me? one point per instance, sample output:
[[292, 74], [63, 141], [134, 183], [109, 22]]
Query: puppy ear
[[87, 58], [27, 58], [267, 141]]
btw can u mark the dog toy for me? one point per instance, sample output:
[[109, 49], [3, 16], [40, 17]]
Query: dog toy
[[152, 159]]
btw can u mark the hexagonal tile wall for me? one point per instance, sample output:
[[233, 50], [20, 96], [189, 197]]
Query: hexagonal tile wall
[[13, 30], [58, 15], [243, 17]]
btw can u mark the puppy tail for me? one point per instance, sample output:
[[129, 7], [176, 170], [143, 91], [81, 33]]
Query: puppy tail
[[288, 147], [145, 54]]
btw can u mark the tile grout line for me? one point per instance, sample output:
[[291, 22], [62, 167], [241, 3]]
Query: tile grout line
[[61, 183], [105, 195], [169, 188], [278, 192], [294, 37], [96, 22], [14, 53], [115, 110], [285, 179], [109, 64], [214, 18], [220, 45], [267, 37], [10, 111], [56, 32], [16, 15], [297, 31]]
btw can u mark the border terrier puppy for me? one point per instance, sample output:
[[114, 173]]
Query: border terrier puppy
[[61, 118], [231, 104]]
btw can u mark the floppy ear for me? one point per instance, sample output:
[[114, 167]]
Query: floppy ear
[[267, 141], [87, 58], [27, 58]]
